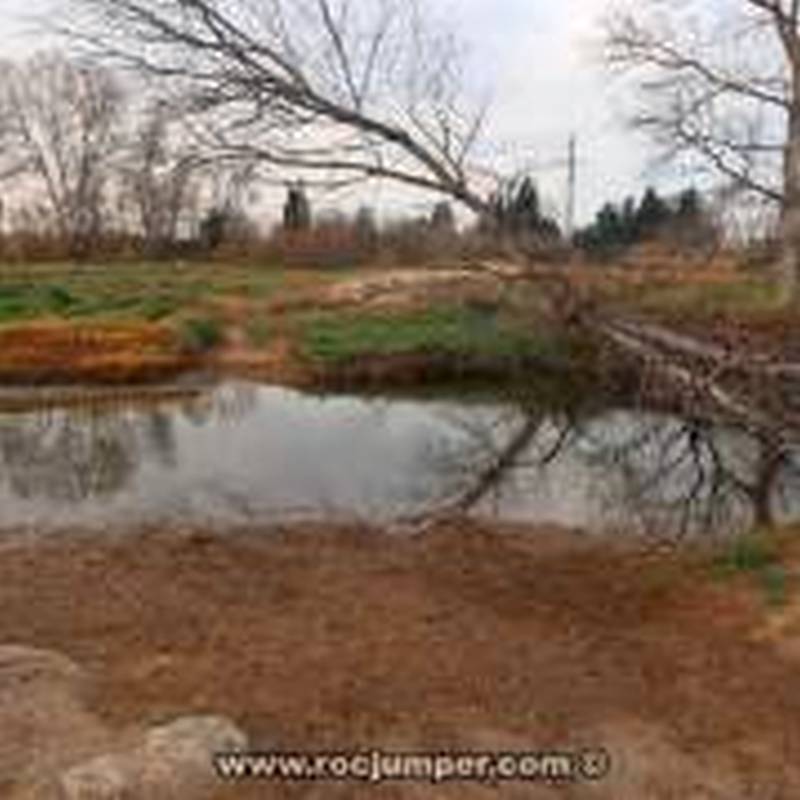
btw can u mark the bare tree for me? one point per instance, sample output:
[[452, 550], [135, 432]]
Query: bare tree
[[60, 126], [10, 163], [160, 178], [336, 89], [722, 81]]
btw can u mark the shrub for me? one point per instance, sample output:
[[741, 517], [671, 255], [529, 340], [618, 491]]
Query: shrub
[[749, 554], [200, 334]]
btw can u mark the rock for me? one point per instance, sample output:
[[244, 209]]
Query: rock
[[111, 777], [43, 720], [173, 762], [53, 748], [189, 736], [177, 758]]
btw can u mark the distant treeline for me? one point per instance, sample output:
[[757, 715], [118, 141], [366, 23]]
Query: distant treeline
[[684, 221], [90, 169]]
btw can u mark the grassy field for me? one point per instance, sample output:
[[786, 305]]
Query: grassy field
[[55, 317], [141, 291], [69, 322], [456, 330], [111, 323]]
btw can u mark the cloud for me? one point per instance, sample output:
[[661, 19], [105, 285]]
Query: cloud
[[549, 85]]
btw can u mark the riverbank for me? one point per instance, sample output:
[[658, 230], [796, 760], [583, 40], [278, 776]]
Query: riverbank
[[470, 637], [107, 326], [155, 323]]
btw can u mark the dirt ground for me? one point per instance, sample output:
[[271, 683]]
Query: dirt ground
[[467, 638]]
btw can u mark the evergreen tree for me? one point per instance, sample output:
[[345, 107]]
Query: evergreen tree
[[525, 211], [615, 228], [629, 221], [442, 218], [221, 225], [213, 229], [516, 211], [652, 215], [297, 209], [690, 206]]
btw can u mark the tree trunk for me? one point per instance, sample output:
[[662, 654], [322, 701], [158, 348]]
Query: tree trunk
[[788, 268], [771, 460]]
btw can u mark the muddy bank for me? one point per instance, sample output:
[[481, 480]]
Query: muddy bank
[[458, 312], [56, 358], [386, 329], [420, 369], [468, 638], [25, 398]]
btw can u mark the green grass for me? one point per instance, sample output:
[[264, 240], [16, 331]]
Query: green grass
[[758, 556], [460, 331], [200, 334], [748, 554], [139, 291]]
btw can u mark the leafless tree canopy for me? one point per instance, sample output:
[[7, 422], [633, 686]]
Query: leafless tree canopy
[[713, 81], [331, 87], [722, 81], [59, 131], [159, 178]]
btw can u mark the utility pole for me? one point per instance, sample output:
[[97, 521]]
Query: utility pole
[[572, 183]]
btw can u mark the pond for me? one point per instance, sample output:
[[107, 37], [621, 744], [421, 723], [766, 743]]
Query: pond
[[242, 453]]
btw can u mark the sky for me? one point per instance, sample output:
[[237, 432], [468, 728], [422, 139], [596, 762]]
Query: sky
[[547, 84], [550, 85]]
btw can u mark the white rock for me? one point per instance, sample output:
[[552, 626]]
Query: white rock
[[177, 758], [108, 777], [173, 762], [190, 736]]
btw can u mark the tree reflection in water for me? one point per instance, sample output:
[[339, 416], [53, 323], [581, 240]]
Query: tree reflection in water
[[229, 403], [655, 472], [71, 455], [652, 473]]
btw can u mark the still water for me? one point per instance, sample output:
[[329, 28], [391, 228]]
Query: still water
[[242, 453]]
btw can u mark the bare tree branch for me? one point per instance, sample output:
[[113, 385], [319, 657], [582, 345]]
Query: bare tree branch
[[61, 129], [278, 81], [722, 82]]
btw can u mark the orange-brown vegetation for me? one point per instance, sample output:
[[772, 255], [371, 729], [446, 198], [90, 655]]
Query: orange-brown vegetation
[[97, 352], [655, 265]]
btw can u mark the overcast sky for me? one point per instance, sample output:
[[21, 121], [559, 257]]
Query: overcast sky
[[547, 84]]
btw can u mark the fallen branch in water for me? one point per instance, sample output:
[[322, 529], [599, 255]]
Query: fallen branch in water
[[750, 389]]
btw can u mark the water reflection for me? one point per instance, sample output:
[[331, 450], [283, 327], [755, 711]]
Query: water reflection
[[91, 452], [244, 452], [632, 470], [66, 458]]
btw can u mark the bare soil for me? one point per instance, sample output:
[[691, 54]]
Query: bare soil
[[470, 637]]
